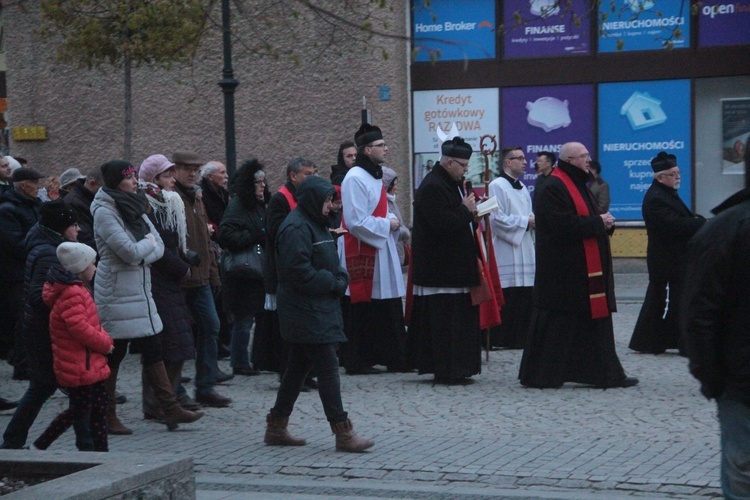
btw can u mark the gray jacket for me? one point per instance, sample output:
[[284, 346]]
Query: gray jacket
[[122, 286]]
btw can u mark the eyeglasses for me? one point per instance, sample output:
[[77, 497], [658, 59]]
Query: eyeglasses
[[382, 145], [260, 182], [580, 157], [673, 174], [522, 158], [463, 165]]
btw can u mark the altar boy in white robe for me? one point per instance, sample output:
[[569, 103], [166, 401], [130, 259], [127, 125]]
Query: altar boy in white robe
[[512, 226], [373, 311]]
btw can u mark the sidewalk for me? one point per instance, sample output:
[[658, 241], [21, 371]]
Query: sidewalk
[[492, 439]]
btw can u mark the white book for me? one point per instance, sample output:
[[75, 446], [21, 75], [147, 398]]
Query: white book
[[487, 206]]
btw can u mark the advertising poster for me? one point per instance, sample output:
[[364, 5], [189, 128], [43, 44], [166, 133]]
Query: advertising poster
[[444, 114], [544, 28], [451, 30], [643, 25], [723, 23], [735, 133], [544, 118], [637, 120]]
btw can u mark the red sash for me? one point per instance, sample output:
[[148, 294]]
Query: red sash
[[289, 197], [360, 258], [597, 288]]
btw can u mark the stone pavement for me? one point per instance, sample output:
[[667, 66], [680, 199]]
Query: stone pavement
[[492, 439]]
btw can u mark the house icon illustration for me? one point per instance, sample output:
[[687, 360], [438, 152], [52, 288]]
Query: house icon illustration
[[643, 111]]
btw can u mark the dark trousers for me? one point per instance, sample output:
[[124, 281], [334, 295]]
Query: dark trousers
[[303, 357], [86, 401], [148, 347], [31, 403]]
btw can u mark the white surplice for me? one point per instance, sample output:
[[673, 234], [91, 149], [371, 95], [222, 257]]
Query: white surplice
[[514, 245], [360, 194]]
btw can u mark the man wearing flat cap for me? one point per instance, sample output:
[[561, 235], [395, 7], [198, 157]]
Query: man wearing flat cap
[[444, 334], [669, 224], [373, 310], [19, 211]]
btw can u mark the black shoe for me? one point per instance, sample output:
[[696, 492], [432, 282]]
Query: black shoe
[[367, 370], [453, 381], [248, 371], [310, 384], [120, 398], [223, 377], [212, 399], [20, 373], [223, 352], [185, 380], [7, 405], [626, 382], [189, 403]]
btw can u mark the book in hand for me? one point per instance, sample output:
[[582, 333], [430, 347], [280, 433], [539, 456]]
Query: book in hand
[[487, 206]]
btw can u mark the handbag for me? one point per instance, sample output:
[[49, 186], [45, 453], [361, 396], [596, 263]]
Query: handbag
[[245, 265], [481, 293]]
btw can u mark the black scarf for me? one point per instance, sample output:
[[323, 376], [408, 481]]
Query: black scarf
[[366, 163], [132, 206], [513, 182]]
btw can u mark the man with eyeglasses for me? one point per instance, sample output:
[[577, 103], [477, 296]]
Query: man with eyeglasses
[[512, 225], [444, 334], [6, 175], [670, 224], [545, 162], [571, 338], [373, 311]]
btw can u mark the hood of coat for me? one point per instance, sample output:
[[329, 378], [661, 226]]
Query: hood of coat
[[57, 280], [40, 235], [311, 194]]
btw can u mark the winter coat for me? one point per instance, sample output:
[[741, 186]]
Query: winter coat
[[561, 282], [122, 285], [716, 301], [79, 199], [670, 224], [443, 242], [311, 280], [167, 274], [17, 214], [79, 343], [278, 209], [41, 244], [198, 240], [241, 229], [216, 201]]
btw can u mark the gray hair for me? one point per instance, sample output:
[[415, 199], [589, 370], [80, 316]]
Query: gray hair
[[209, 168], [296, 164]]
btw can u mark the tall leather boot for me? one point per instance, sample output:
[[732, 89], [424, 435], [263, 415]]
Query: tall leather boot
[[173, 413], [151, 407], [174, 374], [347, 439], [277, 435], [114, 426]]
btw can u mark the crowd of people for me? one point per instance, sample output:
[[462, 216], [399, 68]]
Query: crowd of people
[[136, 259]]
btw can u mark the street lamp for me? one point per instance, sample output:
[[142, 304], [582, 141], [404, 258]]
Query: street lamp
[[228, 84]]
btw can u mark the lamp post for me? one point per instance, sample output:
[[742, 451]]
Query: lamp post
[[228, 84]]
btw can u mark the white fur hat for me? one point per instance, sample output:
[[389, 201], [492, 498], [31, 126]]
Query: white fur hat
[[75, 257]]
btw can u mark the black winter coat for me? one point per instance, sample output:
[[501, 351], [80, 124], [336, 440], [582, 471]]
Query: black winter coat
[[17, 214], [41, 244], [79, 199], [216, 201], [561, 281], [716, 313], [242, 228], [278, 209], [669, 224], [443, 244], [166, 275], [311, 280]]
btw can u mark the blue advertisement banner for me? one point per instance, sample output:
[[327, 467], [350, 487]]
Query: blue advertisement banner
[[545, 28], [637, 120], [723, 23], [450, 30], [643, 25], [544, 118]]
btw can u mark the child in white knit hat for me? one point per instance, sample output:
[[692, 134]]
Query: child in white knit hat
[[79, 344]]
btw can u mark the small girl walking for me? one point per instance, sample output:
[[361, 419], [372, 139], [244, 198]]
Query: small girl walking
[[79, 344]]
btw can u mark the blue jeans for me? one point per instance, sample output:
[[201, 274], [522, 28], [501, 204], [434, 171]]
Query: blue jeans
[[303, 357], [200, 300], [239, 356], [31, 403], [734, 420]]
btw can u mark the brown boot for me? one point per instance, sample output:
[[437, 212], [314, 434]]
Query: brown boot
[[173, 413], [114, 426], [347, 439], [151, 407], [277, 435]]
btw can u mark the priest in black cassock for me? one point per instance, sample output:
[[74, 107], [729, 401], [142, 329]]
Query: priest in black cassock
[[571, 338], [670, 224], [444, 334]]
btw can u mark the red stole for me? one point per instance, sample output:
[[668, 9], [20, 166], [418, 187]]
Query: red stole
[[360, 258], [289, 197], [597, 287]]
